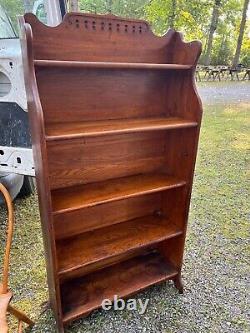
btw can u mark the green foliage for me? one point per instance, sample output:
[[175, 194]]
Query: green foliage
[[193, 17], [222, 50], [127, 8], [245, 49]]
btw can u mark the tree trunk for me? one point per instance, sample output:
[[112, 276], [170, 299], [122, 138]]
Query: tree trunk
[[173, 14], [241, 34], [28, 6], [213, 27], [73, 5], [109, 6]]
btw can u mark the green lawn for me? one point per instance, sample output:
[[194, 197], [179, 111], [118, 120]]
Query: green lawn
[[217, 255]]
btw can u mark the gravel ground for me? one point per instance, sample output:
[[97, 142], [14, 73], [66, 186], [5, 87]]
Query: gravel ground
[[216, 265]]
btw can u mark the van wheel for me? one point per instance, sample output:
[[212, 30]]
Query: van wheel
[[28, 187]]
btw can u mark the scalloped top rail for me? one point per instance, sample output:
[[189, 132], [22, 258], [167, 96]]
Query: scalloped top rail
[[108, 38], [110, 65]]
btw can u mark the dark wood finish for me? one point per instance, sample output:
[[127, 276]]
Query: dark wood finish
[[115, 120], [106, 214], [178, 283], [84, 295], [68, 165], [91, 247], [100, 64], [62, 131], [68, 199]]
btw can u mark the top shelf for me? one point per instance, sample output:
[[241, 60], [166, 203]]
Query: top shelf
[[110, 65]]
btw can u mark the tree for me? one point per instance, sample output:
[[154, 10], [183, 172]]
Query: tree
[[163, 14], [28, 5], [245, 49], [224, 41], [126, 8], [241, 33], [213, 27], [172, 16], [73, 5], [109, 5]]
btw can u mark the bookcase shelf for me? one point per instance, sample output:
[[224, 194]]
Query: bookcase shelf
[[115, 120], [109, 65], [84, 250], [83, 295], [64, 131], [83, 196]]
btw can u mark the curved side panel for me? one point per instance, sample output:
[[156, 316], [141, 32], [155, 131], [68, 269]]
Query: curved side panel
[[182, 146], [41, 168], [185, 52]]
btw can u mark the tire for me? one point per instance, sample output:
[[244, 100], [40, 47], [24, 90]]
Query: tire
[[28, 187], [13, 182]]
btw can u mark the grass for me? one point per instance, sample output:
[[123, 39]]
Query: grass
[[216, 266]]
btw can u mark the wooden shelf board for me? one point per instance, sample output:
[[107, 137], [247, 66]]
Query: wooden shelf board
[[63, 131], [80, 296], [84, 250], [82, 196], [109, 65]]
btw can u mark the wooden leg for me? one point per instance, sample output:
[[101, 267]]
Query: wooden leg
[[20, 326], [61, 327], [4, 302], [20, 315], [178, 283]]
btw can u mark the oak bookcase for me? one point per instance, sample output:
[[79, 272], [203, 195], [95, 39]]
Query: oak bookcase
[[115, 120]]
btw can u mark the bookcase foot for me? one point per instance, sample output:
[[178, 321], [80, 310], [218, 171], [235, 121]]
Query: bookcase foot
[[61, 328], [178, 283]]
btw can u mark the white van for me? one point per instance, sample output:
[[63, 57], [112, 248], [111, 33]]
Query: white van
[[16, 161]]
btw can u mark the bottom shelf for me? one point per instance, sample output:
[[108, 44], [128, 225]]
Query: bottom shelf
[[83, 295]]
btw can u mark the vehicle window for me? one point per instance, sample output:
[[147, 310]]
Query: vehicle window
[[47, 11], [39, 9], [41, 13], [6, 28]]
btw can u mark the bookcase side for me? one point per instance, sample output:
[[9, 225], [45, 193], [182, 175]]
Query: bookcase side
[[40, 158]]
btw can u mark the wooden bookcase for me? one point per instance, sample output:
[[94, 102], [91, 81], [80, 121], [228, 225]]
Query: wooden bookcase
[[115, 120]]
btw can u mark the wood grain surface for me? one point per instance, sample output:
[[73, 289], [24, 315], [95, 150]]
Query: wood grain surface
[[64, 200], [83, 295], [95, 246], [115, 119]]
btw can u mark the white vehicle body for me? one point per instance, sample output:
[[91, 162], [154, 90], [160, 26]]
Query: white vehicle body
[[11, 73], [15, 145], [11, 68]]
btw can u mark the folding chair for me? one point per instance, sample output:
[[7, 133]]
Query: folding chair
[[5, 293]]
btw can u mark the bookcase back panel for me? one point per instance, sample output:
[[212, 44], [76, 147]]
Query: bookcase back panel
[[88, 94], [91, 38], [105, 214], [86, 160], [107, 262]]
